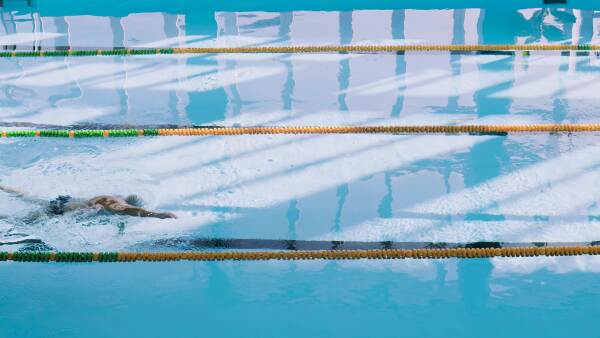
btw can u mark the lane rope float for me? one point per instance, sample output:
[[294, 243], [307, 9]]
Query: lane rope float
[[65, 51], [433, 253], [221, 131]]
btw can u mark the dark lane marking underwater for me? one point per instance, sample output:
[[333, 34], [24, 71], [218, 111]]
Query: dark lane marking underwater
[[284, 244]]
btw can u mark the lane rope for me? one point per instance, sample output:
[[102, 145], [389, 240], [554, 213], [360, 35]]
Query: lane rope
[[433, 253], [297, 49], [221, 131]]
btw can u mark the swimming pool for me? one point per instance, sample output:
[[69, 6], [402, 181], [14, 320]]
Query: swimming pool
[[295, 191]]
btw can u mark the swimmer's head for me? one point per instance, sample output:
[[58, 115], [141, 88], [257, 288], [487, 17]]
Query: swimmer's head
[[134, 200]]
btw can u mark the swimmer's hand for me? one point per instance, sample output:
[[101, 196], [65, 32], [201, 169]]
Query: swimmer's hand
[[165, 215]]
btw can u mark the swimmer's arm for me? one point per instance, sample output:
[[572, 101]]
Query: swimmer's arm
[[137, 212]]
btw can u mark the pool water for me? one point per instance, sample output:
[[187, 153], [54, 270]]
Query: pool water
[[310, 188], [466, 298]]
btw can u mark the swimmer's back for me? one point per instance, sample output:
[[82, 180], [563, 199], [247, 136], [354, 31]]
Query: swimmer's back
[[106, 201]]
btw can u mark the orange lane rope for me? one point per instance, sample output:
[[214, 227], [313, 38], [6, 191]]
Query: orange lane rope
[[216, 131], [373, 48], [433, 253]]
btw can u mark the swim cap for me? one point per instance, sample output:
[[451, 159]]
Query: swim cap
[[134, 200]]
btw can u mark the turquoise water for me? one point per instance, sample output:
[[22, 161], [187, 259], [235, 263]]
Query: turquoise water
[[319, 299], [314, 189]]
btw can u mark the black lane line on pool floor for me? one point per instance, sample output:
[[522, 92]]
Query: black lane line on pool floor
[[283, 244]]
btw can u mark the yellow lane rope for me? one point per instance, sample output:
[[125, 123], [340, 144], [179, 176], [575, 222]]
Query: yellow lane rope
[[300, 49], [416, 129], [216, 131], [434, 253]]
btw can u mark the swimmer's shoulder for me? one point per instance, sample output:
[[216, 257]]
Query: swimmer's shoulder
[[105, 199]]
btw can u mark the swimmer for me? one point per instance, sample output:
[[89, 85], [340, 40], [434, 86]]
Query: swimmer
[[130, 205]]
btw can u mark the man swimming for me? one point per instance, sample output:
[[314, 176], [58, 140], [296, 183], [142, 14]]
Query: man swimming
[[130, 205]]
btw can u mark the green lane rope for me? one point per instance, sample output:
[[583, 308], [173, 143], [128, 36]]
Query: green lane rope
[[433, 253], [300, 49], [416, 129]]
